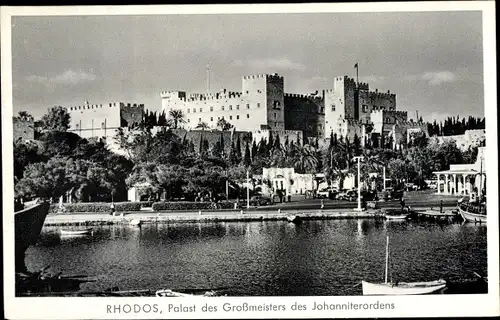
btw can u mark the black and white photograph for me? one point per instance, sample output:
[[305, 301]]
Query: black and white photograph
[[217, 153]]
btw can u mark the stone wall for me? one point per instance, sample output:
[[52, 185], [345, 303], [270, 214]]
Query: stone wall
[[306, 113], [471, 138], [23, 129]]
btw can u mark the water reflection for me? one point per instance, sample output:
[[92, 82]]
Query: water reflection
[[265, 258]]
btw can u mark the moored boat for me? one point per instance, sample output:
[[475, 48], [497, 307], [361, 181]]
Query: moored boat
[[28, 224], [75, 232], [135, 222], [294, 219], [170, 293], [469, 214], [401, 288], [396, 214]]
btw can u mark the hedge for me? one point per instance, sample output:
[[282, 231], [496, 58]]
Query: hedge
[[185, 205], [97, 207]]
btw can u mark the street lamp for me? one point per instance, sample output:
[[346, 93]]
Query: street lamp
[[248, 190], [359, 158]]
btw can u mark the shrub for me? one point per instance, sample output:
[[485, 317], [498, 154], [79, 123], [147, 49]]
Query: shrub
[[95, 207], [185, 205]]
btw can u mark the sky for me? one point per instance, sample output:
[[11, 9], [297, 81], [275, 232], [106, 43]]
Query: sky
[[433, 61]]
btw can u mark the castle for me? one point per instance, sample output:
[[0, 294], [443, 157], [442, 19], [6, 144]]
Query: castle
[[262, 107], [347, 110], [102, 120]]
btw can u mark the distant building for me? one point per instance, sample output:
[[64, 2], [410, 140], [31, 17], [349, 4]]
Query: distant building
[[102, 120], [463, 179], [471, 138]]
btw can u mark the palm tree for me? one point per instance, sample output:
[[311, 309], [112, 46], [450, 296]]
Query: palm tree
[[304, 159], [176, 117], [203, 126], [23, 115], [224, 125]]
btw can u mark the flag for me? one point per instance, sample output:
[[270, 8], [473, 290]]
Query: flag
[[356, 65]]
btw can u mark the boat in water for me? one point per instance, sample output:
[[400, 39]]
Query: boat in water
[[396, 214], [28, 224], [472, 213], [294, 219], [75, 232], [169, 293], [401, 288]]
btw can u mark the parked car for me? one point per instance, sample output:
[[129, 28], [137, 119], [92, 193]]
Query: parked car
[[392, 194], [368, 195], [323, 193], [260, 201], [411, 187], [432, 184], [348, 195]]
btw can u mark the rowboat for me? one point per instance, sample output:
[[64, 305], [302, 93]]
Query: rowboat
[[294, 219], [75, 232], [170, 293], [396, 214], [28, 224], [401, 288], [135, 222], [470, 216]]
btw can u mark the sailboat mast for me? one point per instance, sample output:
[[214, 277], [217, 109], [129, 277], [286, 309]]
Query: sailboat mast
[[386, 259]]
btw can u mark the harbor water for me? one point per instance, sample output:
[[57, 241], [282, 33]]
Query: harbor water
[[327, 257]]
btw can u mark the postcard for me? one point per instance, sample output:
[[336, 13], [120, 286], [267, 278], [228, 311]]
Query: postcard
[[250, 161]]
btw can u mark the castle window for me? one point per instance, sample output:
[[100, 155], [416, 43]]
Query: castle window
[[199, 119], [222, 117], [258, 91], [189, 110], [275, 115], [333, 107], [77, 125], [222, 108], [110, 104], [248, 106], [189, 120], [230, 117], [237, 107], [322, 110], [230, 107], [365, 108], [237, 117], [211, 118], [258, 105], [211, 108], [247, 91], [194, 110], [201, 110], [248, 116], [103, 124]]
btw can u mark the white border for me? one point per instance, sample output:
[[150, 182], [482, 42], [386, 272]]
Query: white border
[[421, 306]]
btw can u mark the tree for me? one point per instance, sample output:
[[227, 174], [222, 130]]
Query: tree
[[223, 125], [202, 126], [246, 159], [175, 117], [162, 119], [356, 145], [25, 116], [25, 153], [57, 119], [45, 179], [170, 178]]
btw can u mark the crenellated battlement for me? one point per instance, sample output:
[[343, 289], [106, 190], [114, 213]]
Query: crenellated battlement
[[88, 106], [303, 97], [381, 95], [264, 76], [394, 113]]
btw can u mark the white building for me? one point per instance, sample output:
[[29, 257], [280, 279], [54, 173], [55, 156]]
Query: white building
[[462, 179]]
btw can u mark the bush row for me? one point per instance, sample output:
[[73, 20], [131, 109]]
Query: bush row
[[97, 207], [104, 207], [184, 205]]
